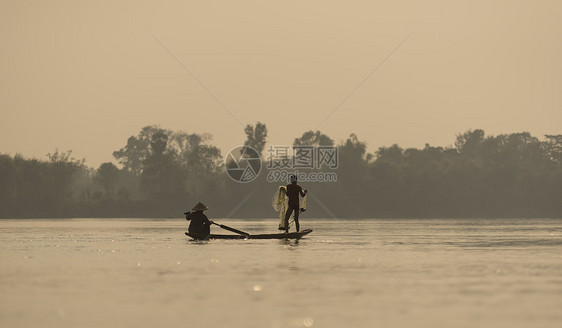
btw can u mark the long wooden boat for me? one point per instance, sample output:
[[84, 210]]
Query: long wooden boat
[[290, 235]]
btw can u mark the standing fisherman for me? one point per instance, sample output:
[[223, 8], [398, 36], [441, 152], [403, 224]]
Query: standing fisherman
[[293, 191], [200, 226]]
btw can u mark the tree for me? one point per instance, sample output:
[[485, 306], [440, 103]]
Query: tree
[[393, 154], [162, 177], [132, 155], [107, 176], [34, 185], [352, 174], [553, 147], [62, 167], [137, 150], [256, 136], [311, 138], [168, 164], [8, 172], [470, 142], [202, 162]]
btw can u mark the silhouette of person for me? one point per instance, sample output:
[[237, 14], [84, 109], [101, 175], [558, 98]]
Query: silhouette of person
[[293, 191], [200, 226]]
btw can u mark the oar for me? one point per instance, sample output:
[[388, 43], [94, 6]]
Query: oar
[[231, 229]]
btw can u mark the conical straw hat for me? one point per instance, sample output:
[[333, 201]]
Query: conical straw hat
[[199, 207]]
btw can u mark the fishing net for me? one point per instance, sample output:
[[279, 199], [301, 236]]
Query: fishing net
[[303, 203], [279, 203]]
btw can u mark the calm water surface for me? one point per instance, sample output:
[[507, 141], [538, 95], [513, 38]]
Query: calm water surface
[[352, 273]]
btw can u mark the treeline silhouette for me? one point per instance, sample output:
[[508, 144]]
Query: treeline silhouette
[[163, 173]]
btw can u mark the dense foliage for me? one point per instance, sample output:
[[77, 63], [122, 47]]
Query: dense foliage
[[163, 173]]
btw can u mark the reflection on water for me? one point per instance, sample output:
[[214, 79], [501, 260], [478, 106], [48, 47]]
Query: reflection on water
[[289, 242], [146, 273]]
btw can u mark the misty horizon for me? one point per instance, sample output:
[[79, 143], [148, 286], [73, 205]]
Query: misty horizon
[[389, 74], [162, 171]]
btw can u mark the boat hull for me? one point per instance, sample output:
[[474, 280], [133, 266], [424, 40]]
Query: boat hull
[[290, 235]]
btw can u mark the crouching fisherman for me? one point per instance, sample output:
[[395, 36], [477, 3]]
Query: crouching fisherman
[[200, 226]]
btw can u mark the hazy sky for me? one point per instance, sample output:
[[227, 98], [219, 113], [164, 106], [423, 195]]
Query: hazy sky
[[86, 75]]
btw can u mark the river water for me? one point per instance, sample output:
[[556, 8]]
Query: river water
[[347, 273]]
